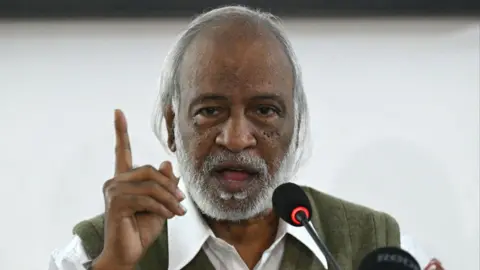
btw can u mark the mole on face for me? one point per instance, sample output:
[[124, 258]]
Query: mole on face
[[271, 135], [237, 93]]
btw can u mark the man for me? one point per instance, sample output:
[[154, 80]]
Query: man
[[237, 119]]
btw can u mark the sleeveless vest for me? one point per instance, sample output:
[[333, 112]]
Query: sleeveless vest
[[350, 231]]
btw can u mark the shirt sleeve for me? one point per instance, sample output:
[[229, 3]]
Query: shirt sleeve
[[409, 245], [71, 257]]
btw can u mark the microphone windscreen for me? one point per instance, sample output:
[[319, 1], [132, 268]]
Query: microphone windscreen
[[286, 198], [389, 258]]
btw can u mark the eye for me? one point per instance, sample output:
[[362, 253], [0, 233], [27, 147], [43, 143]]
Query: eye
[[267, 111], [208, 111]]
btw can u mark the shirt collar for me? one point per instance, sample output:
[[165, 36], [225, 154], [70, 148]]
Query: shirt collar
[[188, 233]]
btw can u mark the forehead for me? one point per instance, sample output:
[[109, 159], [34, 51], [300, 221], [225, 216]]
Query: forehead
[[236, 56]]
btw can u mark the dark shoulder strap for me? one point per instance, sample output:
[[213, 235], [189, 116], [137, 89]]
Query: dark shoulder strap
[[388, 231], [349, 230], [200, 262], [298, 256], [91, 233], [156, 257]]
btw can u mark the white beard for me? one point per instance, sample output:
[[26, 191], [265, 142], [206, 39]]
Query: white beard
[[211, 199]]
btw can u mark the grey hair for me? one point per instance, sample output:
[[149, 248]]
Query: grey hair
[[170, 76]]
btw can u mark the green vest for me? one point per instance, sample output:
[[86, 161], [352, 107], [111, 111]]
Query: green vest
[[350, 231]]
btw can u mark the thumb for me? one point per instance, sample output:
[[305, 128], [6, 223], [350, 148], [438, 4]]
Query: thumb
[[167, 169]]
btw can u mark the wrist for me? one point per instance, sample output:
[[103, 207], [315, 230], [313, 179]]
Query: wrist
[[104, 264]]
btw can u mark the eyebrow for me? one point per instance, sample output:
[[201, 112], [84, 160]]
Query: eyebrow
[[275, 97], [204, 98], [216, 97]]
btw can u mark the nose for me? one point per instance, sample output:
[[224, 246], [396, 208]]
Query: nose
[[236, 135]]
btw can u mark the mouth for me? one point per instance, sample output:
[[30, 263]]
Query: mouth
[[234, 177], [235, 172]]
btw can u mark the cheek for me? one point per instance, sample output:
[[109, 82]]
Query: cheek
[[199, 143], [278, 138], [274, 147], [271, 137]]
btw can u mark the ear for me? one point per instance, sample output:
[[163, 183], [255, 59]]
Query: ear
[[169, 120]]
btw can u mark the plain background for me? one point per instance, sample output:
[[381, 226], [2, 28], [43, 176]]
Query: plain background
[[394, 108]]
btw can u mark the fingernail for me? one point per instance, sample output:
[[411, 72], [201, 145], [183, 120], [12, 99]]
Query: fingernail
[[180, 194], [184, 210]]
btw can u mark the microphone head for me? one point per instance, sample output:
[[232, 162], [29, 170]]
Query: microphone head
[[289, 199], [390, 258]]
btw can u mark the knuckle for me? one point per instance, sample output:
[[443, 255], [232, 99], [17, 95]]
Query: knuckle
[[149, 168], [147, 171], [169, 201], [172, 186], [167, 188], [156, 191], [162, 196], [111, 202], [136, 199], [107, 185], [166, 213], [112, 194], [167, 183]]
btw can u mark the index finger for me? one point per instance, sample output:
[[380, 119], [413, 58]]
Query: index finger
[[123, 152]]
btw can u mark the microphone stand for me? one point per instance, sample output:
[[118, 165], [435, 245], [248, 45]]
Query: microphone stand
[[302, 217]]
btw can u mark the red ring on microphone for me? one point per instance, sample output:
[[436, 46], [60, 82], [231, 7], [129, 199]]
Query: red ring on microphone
[[295, 211]]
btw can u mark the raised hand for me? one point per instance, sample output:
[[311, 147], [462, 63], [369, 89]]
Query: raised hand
[[137, 203]]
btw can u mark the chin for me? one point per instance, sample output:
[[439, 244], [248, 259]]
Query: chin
[[215, 202], [227, 210], [238, 209]]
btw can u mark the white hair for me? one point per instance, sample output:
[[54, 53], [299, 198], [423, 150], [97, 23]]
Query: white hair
[[170, 85]]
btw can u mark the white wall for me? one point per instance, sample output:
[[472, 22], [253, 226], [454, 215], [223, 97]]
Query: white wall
[[394, 108]]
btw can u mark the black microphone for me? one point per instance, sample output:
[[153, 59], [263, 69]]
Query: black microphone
[[389, 258], [291, 204]]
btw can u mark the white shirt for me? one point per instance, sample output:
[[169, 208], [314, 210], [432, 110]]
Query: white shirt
[[190, 233]]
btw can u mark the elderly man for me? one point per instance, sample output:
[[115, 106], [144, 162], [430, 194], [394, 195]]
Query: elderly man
[[236, 118]]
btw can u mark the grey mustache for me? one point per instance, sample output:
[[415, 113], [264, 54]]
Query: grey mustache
[[243, 159]]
